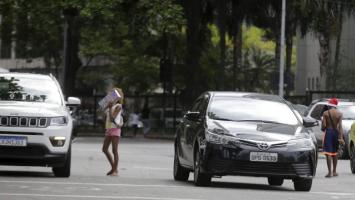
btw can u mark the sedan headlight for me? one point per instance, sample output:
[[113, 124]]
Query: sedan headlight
[[59, 121], [219, 136], [300, 143]]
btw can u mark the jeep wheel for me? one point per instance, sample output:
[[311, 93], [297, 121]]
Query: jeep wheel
[[200, 179], [302, 184], [180, 173], [63, 171]]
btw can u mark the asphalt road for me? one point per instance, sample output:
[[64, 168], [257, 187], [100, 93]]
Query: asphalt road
[[145, 173]]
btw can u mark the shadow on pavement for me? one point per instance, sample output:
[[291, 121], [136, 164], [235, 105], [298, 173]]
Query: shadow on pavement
[[231, 185], [248, 186], [26, 174]]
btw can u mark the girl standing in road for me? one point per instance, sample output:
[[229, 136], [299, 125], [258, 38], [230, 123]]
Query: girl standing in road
[[113, 134]]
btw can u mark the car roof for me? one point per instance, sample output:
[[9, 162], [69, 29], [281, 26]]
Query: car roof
[[260, 96], [341, 102], [26, 75]]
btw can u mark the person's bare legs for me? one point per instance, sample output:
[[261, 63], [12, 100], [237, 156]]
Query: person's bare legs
[[106, 144], [115, 141], [329, 164], [335, 162]]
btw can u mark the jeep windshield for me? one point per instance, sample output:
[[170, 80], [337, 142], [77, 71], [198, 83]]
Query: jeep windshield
[[29, 89]]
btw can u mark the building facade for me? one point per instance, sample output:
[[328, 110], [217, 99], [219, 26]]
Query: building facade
[[308, 66]]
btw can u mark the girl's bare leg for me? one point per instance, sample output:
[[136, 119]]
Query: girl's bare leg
[[106, 144], [115, 141]]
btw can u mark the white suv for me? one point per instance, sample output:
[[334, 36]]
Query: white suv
[[35, 122]]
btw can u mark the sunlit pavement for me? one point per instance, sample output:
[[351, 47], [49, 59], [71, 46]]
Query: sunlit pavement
[[145, 172]]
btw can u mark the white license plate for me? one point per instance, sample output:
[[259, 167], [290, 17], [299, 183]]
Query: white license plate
[[263, 157], [18, 141]]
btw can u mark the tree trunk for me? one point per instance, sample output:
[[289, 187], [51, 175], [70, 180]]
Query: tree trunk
[[193, 15], [290, 33], [323, 56], [222, 9], [237, 56], [72, 55], [337, 49], [288, 73], [277, 31], [237, 45]]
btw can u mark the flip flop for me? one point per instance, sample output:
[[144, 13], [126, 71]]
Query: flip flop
[[335, 174], [109, 173], [328, 176]]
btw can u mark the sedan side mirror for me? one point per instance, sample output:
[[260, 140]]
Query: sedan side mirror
[[309, 122], [193, 116]]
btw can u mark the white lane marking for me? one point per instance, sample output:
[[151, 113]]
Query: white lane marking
[[334, 193], [153, 168], [98, 197], [93, 184]]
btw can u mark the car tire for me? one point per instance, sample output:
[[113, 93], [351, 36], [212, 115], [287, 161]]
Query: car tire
[[200, 179], [302, 184], [275, 181], [180, 173], [352, 159], [343, 152], [63, 171]]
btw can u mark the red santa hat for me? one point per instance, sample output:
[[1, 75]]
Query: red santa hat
[[333, 102]]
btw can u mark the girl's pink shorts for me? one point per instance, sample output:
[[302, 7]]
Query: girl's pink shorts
[[113, 132]]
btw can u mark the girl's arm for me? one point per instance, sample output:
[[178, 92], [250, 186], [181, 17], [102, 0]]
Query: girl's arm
[[115, 112]]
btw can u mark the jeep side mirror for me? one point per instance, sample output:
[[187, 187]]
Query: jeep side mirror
[[73, 101]]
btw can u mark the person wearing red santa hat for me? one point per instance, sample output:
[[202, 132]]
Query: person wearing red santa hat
[[333, 135]]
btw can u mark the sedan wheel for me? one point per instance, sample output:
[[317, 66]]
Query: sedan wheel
[[180, 173], [275, 181], [302, 184], [352, 160], [200, 179]]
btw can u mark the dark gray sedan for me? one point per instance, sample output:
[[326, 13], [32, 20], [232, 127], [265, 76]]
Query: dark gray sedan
[[231, 133]]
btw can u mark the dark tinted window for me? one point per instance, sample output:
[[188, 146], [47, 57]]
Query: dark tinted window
[[195, 107], [238, 108], [317, 112]]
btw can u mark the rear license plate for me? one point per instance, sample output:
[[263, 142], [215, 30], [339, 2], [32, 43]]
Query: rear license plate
[[263, 157], [18, 141]]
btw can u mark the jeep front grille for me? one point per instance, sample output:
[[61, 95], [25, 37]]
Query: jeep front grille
[[41, 122]]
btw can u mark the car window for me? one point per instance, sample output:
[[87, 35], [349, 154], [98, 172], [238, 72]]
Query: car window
[[347, 111], [317, 112], [204, 103], [196, 105], [29, 89], [249, 109]]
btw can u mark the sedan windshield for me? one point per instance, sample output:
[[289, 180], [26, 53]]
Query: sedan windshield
[[249, 109], [347, 111], [29, 90]]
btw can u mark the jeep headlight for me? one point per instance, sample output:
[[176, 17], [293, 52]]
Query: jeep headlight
[[59, 121]]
